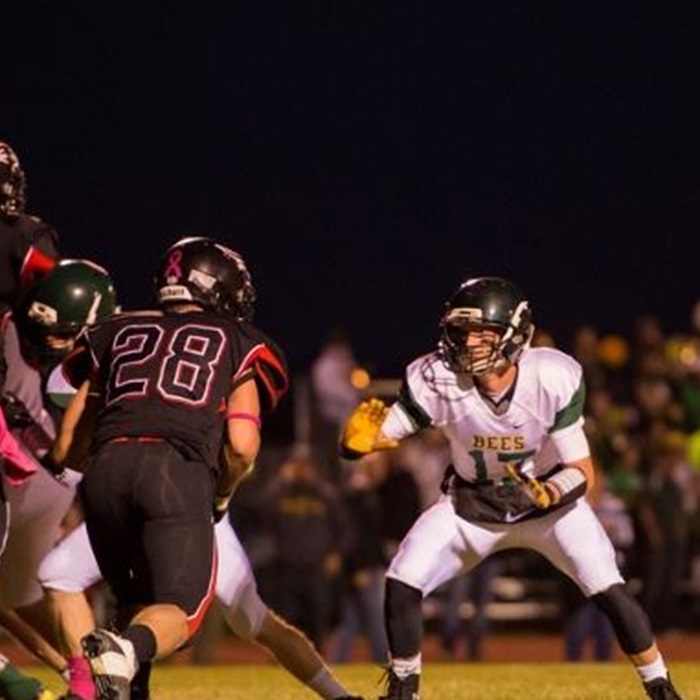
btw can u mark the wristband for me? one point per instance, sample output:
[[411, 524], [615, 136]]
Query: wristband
[[570, 483], [239, 415]]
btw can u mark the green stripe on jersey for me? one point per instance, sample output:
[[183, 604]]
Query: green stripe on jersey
[[415, 413], [571, 412]]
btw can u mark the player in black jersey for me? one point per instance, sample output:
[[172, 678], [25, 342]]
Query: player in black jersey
[[28, 245], [171, 402]]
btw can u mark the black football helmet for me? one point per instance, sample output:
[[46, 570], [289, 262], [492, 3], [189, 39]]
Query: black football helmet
[[12, 183], [200, 270], [74, 294], [488, 303]]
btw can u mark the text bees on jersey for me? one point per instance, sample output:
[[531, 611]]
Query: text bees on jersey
[[501, 443]]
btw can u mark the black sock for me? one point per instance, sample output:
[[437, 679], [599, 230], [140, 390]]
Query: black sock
[[144, 641], [140, 683]]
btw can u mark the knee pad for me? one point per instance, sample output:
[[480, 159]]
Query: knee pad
[[403, 615], [627, 617]]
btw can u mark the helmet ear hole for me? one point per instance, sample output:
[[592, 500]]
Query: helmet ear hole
[[519, 341]]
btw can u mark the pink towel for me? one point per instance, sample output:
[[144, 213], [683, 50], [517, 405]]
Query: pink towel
[[17, 465]]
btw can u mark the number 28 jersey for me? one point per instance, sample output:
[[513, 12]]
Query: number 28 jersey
[[542, 424], [169, 376]]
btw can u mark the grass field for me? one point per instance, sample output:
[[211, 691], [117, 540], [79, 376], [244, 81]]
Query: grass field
[[484, 681]]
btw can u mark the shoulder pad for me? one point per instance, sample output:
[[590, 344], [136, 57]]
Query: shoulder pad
[[266, 360]]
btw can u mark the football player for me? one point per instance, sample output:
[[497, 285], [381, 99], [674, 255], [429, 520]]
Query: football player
[[27, 244], [35, 340], [162, 388], [70, 568], [520, 467]]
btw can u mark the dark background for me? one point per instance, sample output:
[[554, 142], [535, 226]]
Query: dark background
[[365, 157]]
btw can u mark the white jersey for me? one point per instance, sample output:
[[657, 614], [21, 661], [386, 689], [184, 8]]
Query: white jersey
[[538, 422], [542, 423]]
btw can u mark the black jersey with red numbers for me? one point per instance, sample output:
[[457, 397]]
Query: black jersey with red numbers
[[169, 376]]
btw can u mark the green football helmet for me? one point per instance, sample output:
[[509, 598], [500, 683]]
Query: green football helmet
[[485, 303], [74, 294]]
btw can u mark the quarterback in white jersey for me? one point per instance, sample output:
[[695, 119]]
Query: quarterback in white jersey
[[513, 416]]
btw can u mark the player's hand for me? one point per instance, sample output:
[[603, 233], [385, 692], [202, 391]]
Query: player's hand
[[538, 492], [361, 432], [16, 413], [220, 507]]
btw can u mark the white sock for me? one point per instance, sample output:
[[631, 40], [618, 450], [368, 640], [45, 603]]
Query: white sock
[[326, 685], [406, 667], [656, 669], [3, 662]]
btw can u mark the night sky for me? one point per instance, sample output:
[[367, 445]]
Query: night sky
[[365, 157]]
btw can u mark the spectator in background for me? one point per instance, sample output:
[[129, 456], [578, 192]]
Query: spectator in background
[[585, 350], [364, 565], [665, 520], [543, 338], [306, 517], [648, 346], [400, 498], [334, 397]]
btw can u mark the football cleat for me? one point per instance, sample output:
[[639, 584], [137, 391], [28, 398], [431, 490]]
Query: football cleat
[[113, 664], [401, 688], [661, 689]]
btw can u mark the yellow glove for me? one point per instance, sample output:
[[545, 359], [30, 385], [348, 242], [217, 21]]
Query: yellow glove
[[361, 432], [535, 489]]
